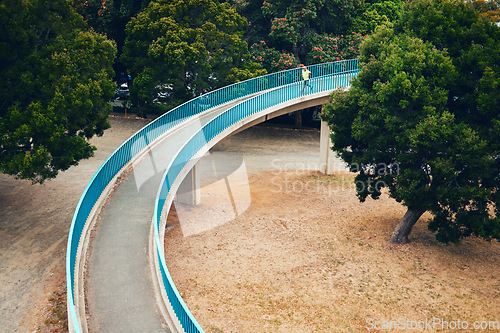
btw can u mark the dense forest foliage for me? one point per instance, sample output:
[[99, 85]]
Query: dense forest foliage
[[422, 119], [59, 58], [56, 79], [280, 34]]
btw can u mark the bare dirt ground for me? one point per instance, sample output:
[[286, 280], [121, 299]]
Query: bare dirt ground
[[307, 256], [34, 226], [299, 259]]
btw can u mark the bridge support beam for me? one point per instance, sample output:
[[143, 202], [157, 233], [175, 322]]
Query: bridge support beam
[[189, 191], [326, 155]]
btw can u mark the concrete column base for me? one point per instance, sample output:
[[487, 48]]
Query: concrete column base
[[189, 191], [326, 155]]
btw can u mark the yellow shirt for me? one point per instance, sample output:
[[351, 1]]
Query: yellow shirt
[[305, 74]]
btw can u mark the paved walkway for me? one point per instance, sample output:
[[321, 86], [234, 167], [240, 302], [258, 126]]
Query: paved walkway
[[120, 293]]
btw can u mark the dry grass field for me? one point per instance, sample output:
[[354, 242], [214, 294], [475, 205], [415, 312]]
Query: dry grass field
[[307, 256]]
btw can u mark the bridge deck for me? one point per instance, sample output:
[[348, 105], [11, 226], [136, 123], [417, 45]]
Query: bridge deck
[[119, 288]]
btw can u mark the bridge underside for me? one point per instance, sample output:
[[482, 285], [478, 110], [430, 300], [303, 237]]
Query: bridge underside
[[189, 190], [302, 103]]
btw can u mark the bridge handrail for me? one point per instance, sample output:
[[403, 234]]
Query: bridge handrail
[[141, 139], [197, 141]]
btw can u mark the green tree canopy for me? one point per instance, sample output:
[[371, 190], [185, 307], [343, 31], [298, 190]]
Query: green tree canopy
[[283, 34], [422, 118], [309, 31], [54, 87], [110, 17], [488, 8], [375, 13], [185, 48]]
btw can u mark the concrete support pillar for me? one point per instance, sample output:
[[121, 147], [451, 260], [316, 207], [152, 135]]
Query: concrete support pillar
[[326, 155], [189, 190]]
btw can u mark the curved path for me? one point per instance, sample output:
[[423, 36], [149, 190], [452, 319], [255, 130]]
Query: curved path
[[121, 293]]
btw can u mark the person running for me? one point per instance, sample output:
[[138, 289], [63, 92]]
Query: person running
[[305, 75]]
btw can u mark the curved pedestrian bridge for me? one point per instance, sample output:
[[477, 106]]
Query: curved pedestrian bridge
[[117, 277]]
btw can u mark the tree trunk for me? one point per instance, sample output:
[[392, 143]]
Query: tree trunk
[[403, 229]]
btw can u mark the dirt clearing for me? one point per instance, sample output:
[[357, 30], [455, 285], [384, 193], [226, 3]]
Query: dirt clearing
[[34, 226], [307, 256]]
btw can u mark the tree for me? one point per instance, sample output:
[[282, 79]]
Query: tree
[[375, 13], [55, 84], [334, 48], [110, 17], [96, 13], [185, 48], [488, 8], [284, 34], [422, 120]]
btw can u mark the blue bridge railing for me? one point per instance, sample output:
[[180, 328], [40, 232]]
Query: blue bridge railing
[[280, 87], [198, 141]]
